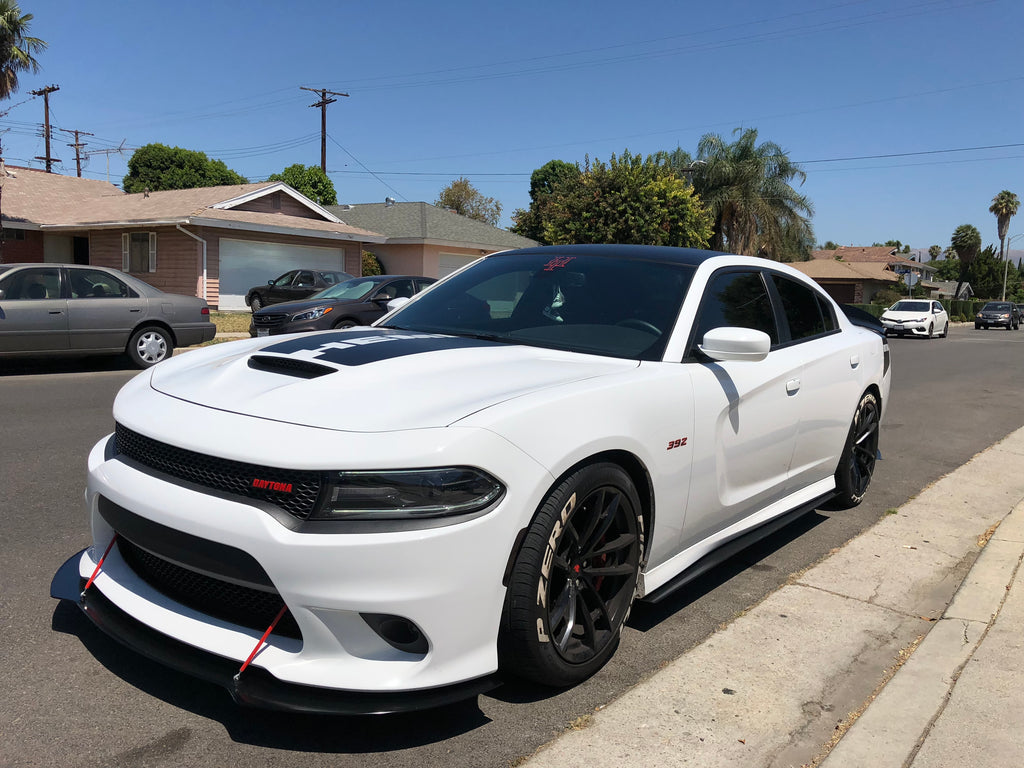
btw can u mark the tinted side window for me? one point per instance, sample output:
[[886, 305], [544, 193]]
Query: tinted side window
[[37, 283], [827, 314], [93, 284], [736, 299], [800, 305]]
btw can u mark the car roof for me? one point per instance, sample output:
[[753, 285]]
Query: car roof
[[690, 256]]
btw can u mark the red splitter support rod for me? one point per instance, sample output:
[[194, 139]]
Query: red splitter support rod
[[99, 565], [262, 640]]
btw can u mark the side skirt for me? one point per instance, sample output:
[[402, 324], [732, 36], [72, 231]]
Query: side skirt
[[732, 547]]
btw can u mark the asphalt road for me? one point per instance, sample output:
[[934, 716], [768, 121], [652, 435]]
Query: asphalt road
[[71, 697]]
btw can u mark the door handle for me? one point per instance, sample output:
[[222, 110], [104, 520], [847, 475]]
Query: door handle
[[854, 361], [134, 310], [792, 386], [56, 312]]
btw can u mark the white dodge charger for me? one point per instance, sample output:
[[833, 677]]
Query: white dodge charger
[[481, 484]]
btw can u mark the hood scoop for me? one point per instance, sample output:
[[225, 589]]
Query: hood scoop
[[290, 366]]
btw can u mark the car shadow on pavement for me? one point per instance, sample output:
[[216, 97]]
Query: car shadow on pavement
[[37, 366], [264, 728]]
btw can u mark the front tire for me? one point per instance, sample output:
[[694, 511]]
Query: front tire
[[256, 303], [945, 330], [574, 579], [857, 463], [149, 345], [346, 323]]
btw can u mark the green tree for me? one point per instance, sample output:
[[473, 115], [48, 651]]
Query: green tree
[[934, 252], [545, 183], [966, 241], [310, 180], [829, 246], [947, 269], [463, 198], [985, 274], [1004, 206], [157, 166], [16, 47], [628, 200], [748, 188]]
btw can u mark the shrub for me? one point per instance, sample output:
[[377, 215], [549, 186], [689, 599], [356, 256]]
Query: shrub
[[371, 264]]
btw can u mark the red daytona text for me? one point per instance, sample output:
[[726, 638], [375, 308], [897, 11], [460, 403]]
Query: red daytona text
[[271, 485]]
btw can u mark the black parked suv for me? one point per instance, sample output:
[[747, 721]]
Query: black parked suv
[[297, 284], [358, 301], [1001, 314]]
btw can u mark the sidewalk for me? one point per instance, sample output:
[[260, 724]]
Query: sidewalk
[[903, 648]]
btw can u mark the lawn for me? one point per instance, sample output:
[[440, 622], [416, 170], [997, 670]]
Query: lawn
[[231, 322]]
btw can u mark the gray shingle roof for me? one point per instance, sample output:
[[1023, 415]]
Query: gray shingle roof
[[406, 222]]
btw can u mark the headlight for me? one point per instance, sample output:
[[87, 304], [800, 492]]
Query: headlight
[[312, 314], [414, 493]]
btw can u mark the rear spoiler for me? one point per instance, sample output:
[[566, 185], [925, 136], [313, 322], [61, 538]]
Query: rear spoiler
[[863, 319]]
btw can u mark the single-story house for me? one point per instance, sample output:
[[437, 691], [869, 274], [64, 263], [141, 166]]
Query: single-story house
[[212, 242], [849, 283], [879, 254], [423, 239], [944, 289]]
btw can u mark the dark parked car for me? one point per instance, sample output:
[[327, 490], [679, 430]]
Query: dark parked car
[[358, 301], [297, 284], [1001, 314], [70, 309]]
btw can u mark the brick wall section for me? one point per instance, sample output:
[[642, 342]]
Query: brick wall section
[[28, 250], [279, 203]]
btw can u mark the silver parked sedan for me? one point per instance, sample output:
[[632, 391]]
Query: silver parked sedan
[[71, 309]]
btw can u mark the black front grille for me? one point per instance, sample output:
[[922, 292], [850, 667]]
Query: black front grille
[[268, 321], [247, 607], [294, 490]]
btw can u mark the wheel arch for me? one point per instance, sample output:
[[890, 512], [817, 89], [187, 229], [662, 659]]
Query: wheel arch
[[638, 474], [151, 323]]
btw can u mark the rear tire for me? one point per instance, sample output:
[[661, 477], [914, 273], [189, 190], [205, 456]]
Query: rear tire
[[857, 464], [149, 345], [574, 579]]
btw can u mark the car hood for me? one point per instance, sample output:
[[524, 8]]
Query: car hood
[[890, 315], [370, 380]]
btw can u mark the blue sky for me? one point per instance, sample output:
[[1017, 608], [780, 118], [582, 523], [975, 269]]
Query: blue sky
[[926, 96]]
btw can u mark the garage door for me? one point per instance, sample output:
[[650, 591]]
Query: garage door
[[245, 263], [449, 262]]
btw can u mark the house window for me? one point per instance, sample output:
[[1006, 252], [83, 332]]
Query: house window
[[138, 252], [12, 234]]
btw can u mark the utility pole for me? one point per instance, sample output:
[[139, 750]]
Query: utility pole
[[77, 146], [45, 93], [324, 101]]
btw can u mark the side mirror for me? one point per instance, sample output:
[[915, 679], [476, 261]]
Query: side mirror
[[270, 281], [736, 344], [401, 301]]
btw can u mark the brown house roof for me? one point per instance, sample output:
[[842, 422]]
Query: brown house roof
[[822, 269], [38, 200]]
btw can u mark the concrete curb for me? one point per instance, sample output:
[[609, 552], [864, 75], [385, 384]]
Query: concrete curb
[[779, 685]]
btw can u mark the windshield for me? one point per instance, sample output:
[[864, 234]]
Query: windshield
[[584, 303], [996, 306], [356, 288], [909, 306]]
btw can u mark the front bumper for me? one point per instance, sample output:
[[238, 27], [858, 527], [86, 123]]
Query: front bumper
[[255, 687], [445, 580], [905, 329]]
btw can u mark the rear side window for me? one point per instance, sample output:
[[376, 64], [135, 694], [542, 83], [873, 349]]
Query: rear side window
[[802, 308], [739, 300]]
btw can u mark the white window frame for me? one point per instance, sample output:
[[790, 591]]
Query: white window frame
[[126, 245]]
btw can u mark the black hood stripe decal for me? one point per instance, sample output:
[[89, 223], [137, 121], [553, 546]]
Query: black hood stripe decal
[[371, 346]]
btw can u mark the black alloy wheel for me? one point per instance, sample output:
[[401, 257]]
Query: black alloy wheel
[[574, 579], [857, 464]]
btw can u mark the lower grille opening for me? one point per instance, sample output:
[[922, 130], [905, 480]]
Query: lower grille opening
[[237, 604]]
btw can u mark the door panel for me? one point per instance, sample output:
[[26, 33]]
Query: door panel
[[33, 314]]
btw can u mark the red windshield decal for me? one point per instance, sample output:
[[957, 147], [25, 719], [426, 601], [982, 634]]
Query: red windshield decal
[[559, 262]]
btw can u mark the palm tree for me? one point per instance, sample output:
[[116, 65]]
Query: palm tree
[[748, 189], [1004, 206], [966, 241], [16, 47]]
